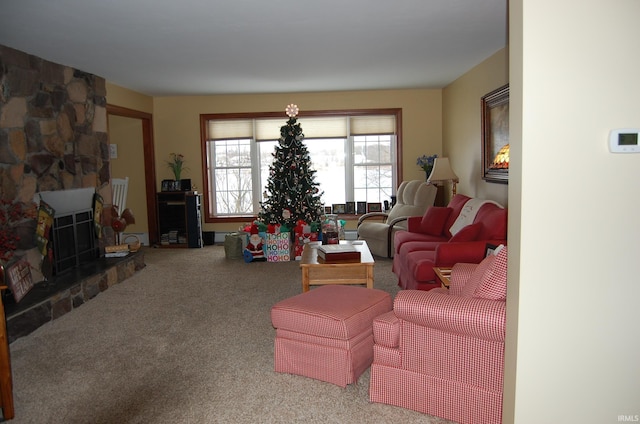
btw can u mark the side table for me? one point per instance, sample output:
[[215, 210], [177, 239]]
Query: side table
[[444, 275]]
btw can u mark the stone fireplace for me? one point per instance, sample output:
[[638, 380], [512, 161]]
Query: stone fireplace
[[54, 144], [53, 138]]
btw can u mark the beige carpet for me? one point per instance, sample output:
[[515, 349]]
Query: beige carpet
[[186, 340]]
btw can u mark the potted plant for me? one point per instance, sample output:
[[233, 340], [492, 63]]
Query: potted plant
[[176, 164], [426, 163]]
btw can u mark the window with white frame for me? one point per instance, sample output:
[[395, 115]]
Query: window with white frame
[[354, 155]]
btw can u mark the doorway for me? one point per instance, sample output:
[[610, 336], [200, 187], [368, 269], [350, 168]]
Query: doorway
[[133, 136]]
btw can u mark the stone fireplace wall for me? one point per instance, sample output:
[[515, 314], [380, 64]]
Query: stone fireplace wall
[[53, 136]]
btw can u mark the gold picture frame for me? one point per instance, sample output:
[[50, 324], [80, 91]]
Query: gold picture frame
[[374, 207], [338, 208], [351, 208], [495, 132]]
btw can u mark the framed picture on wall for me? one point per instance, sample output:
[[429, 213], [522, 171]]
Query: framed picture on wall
[[495, 136], [351, 208], [338, 208]]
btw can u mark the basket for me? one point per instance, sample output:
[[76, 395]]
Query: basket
[[134, 245], [234, 244]]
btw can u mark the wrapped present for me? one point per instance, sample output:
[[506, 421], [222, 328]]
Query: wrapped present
[[304, 233], [256, 249], [235, 244], [301, 240], [278, 247]]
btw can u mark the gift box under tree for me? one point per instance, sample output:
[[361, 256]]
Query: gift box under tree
[[278, 247], [255, 248], [303, 234]]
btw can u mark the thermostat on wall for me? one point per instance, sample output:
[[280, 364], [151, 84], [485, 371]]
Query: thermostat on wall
[[624, 140]]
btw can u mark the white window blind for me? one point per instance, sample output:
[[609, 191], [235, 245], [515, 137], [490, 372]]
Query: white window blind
[[368, 125], [321, 127], [268, 129], [325, 127], [230, 129]]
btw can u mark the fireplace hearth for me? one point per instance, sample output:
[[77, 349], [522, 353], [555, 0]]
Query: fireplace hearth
[[80, 272], [61, 294]]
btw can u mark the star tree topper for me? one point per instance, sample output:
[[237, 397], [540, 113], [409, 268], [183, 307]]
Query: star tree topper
[[291, 110]]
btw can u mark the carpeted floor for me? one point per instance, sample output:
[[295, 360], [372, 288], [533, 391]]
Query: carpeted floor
[[186, 340]]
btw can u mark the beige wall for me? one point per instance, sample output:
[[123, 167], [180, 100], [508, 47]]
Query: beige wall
[[119, 96], [572, 326], [176, 123], [462, 126]]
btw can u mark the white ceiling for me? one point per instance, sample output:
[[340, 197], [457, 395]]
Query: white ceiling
[[181, 47]]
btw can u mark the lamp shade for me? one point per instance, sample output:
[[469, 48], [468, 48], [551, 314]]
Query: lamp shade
[[442, 171]]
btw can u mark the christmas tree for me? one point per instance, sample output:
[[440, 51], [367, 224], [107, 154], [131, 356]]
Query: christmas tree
[[291, 193]]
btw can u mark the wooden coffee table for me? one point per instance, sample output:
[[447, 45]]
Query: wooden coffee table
[[316, 274]]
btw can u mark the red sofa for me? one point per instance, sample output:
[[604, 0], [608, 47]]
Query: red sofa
[[444, 236]]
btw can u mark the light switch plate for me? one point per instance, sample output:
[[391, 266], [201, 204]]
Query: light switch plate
[[113, 151]]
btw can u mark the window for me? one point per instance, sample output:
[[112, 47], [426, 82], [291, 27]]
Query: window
[[354, 155]]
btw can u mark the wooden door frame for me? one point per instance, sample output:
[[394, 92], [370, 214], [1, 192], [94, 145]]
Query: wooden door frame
[[149, 163]]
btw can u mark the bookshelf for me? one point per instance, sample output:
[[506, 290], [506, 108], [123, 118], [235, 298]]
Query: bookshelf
[[179, 219]]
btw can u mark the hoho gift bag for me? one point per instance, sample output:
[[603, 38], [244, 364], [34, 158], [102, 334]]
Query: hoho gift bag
[[278, 247]]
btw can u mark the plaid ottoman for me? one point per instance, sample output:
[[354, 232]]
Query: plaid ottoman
[[326, 333]]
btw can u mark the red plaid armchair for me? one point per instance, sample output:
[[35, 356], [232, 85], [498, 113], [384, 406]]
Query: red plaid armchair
[[441, 352]]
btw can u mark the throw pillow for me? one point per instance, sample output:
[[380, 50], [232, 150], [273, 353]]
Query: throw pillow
[[468, 233], [481, 273], [494, 286], [434, 219]]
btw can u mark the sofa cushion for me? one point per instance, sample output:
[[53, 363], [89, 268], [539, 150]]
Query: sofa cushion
[[494, 220], [468, 233], [456, 204], [469, 213], [494, 285], [482, 272], [460, 274], [434, 219], [429, 242], [417, 246]]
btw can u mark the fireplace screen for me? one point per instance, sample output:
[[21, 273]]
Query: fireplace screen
[[73, 240]]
